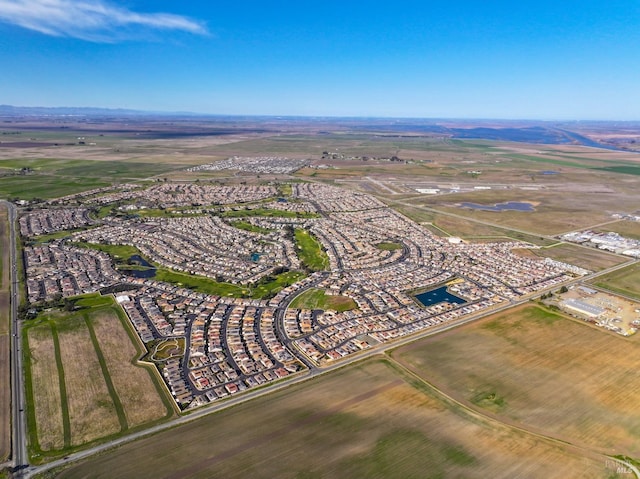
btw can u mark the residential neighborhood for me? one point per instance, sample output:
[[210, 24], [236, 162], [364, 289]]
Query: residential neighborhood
[[234, 343]]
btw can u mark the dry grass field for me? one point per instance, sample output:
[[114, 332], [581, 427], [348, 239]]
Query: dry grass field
[[92, 412], [541, 371], [558, 210], [133, 384], [368, 420], [625, 281], [589, 258], [629, 229], [84, 381], [46, 381]]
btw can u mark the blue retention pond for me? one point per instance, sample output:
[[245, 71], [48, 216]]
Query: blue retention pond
[[439, 295], [510, 205]]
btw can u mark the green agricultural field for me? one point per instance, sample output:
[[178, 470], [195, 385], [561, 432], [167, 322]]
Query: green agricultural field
[[65, 168], [625, 281], [52, 178], [577, 384], [310, 251], [83, 380], [367, 420], [46, 187], [317, 299]]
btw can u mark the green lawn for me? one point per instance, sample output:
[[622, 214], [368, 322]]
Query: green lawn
[[271, 285], [389, 246], [201, 284], [120, 253], [267, 213], [266, 288], [243, 225], [317, 299], [310, 251]]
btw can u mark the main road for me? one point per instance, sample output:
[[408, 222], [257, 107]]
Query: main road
[[298, 378], [19, 456]]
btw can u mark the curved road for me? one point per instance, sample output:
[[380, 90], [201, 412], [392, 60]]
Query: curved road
[[316, 371], [19, 452]]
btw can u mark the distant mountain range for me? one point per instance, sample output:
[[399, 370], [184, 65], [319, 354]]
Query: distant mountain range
[[10, 110], [526, 131]]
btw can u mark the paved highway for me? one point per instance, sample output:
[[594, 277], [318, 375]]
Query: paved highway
[[298, 378], [20, 458], [19, 430]]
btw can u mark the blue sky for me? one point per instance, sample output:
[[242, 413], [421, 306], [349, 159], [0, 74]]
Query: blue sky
[[561, 59]]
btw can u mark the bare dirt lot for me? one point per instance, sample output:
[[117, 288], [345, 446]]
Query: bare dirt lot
[[579, 383], [365, 421]]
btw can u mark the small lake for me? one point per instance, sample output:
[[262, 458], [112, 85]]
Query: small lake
[[255, 257], [510, 205], [146, 271], [439, 295], [139, 260]]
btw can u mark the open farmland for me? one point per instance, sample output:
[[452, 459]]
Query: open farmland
[[133, 385], [557, 210], [578, 385], [48, 407], [52, 178], [368, 420], [5, 337], [83, 379], [588, 258], [449, 225], [625, 281], [628, 229]]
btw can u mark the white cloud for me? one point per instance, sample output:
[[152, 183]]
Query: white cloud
[[96, 21]]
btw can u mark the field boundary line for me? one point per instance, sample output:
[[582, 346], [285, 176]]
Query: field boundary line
[[470, 411], [141, 350], [66, 420], [122, 418]]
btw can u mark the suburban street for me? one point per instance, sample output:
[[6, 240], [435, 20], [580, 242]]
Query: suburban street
[[313, 372]]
